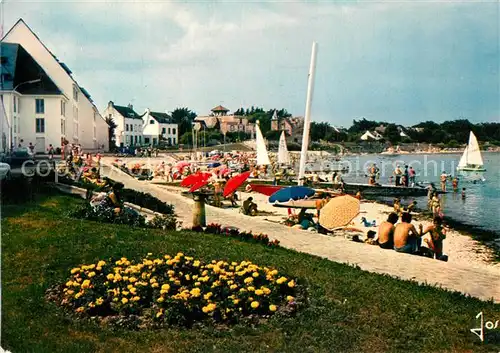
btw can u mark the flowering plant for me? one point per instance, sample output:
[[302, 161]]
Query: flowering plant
[[215, 228], [176, 290]]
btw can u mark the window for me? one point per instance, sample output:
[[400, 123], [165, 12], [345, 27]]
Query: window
[[136, 139], [164, 130], [75, 93], [40, 125], [15, 124], [15, 104], [174, 141], [126, 127], [62, 126], [173, 131], [151, 121], [63, 108], [40, 106]]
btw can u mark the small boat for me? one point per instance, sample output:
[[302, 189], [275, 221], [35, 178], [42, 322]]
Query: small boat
[[267, 190], [283, 155], [471, 160], [262, 155]]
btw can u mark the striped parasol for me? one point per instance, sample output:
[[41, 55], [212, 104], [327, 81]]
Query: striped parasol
[[339, 212]]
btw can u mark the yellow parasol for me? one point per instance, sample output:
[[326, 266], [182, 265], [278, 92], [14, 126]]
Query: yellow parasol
[[339, 212]]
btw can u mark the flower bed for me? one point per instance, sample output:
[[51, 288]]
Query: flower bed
[[127, 216], [128, 195], [215, 228], [178, 290]]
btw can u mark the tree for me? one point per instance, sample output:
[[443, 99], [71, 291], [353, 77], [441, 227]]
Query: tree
[[111, 132], [184, 117], [392, 134]]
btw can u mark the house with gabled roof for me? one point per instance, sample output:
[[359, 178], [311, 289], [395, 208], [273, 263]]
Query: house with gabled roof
[[159, 127], [53, 108], [128, 131]]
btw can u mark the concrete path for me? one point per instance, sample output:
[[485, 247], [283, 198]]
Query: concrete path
[[479, 281]]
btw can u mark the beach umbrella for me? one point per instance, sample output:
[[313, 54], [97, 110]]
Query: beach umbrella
[[198, 185], [234, 183], [182, 164], [291, 193], [192, 179], [339, 212]]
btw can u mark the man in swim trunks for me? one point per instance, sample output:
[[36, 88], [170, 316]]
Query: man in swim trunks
[[386, 232], [406, 238]]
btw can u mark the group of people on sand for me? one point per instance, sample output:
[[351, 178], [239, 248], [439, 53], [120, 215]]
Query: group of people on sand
[[405, 238]]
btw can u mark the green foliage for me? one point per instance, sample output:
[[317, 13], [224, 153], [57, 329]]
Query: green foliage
[[184, 117], [273, 135], [391, 134], [111, 132], [106, 214], [346, 305]]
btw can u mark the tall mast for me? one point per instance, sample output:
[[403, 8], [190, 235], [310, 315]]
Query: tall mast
[[307, 118]]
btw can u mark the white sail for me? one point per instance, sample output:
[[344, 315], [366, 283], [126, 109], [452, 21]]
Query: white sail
[[473, 152], [283, 155], [463, 160], [262, 156]]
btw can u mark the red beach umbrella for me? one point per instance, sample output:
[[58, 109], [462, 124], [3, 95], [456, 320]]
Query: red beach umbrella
[[198, 185], [234, 183], [192, 179]]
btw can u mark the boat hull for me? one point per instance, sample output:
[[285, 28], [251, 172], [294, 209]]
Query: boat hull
[[468, 169]]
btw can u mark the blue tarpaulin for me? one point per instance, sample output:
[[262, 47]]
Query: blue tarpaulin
[[291, 193]]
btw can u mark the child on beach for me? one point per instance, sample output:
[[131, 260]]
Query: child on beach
[[438, 234], [463, 193], [436, 205], [412, 206], [397, 206]]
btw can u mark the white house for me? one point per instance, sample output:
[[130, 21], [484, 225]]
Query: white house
[[371, 136], [42, 101], [128, 131], [159, 126]]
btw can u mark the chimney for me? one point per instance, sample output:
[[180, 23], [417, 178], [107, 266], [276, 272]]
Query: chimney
[[110, 103], [130, 106]]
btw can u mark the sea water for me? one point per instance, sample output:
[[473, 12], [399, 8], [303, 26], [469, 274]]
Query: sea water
[[481, 206]]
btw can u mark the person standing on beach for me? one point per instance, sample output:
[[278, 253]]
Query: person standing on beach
[[454, 183]]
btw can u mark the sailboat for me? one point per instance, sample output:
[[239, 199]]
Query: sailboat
[[471, 160], [283, 155], [262, 155]]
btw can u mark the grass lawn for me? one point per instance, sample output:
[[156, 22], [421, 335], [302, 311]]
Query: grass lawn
[[350, 310]]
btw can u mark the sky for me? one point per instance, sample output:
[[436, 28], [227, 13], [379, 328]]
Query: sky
[[396, 61]]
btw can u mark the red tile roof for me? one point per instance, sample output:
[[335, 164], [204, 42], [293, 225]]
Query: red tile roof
[[220, 108]]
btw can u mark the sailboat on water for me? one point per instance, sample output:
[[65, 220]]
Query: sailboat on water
[[471, 160]]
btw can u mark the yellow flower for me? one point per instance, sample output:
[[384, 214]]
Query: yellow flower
[[291, 284], [154, 285], [75, 270], [133, 290], [266, 290], [91, 266], [91, 274], [242, 290], [132, 279], [197, 283], [177, 282], [69, 283], [255, 274], [86, 284], [80, 309], [236, 301], [70, 292], [160, 300], [208, 308], [179, 254], [159, 313], [272, 308], [207, 296], [110, 277], [195, 292], [233, 286], [281, 280], [290, 298], [196, 263], [250, 289], [124, 292], [78, 295], [136, 298], [98, 268], [125, 278], [99, 301], [101, 263], [118, 277], [124, 300], [254, 304], [248, 280], [259, 292], [150, 254]]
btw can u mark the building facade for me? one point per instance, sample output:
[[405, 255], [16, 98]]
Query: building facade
[[226, 122], [44, 104], [129, 124], [159, 127]]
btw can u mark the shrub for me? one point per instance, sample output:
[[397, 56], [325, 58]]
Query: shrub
[[215, 228], [166, 222], [107, 215], [177, 290]]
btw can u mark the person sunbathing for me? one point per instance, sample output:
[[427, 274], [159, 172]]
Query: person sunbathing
[[406, 237], [249, 207], [386, 231]]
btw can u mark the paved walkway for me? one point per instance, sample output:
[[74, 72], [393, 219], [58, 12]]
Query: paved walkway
[[479, 281]]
